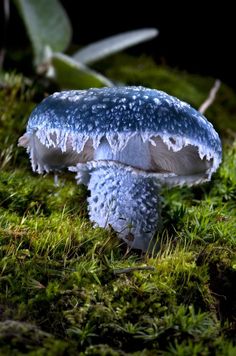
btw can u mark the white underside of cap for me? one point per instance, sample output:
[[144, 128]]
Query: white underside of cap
[[79, 143]]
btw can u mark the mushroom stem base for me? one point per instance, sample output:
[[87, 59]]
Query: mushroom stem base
[[127, 200]]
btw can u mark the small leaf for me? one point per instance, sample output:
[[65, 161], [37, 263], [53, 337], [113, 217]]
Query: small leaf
[[98, 50], [47, 25], [70, 74]]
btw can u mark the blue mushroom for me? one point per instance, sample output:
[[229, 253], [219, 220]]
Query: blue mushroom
[[123, 143]]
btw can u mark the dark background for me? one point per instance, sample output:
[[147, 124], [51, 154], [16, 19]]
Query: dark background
[[198, 37]]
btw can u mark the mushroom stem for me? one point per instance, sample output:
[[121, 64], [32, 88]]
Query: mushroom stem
[[127, 200]]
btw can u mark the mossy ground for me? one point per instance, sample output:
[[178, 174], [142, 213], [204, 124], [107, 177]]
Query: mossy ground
[[68, 289]]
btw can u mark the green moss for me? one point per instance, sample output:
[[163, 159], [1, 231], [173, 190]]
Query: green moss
[[67, 288], [19, 338]]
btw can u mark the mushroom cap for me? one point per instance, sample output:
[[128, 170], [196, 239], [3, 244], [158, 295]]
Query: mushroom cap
[[177, 135]]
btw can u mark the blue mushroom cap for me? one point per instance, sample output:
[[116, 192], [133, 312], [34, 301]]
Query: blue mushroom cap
[[118, 114]]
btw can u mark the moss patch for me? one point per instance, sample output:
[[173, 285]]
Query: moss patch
[[67, 288]]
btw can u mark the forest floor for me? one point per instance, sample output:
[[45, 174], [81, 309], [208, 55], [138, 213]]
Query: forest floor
[[67, 288]]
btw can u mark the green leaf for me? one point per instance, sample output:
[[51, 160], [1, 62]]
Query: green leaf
[[98, 50], [47, 24], [70, 74]]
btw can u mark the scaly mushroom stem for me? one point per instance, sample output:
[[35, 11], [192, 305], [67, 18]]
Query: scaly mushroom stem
[[127, 200]]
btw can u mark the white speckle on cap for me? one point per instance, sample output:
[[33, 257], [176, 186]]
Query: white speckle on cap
[[157, 101]]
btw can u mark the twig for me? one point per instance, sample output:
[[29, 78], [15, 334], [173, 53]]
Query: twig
[[211, 97], [131, 269]]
